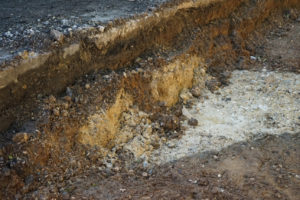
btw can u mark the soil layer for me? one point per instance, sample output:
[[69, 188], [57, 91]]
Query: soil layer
[[82, 122]]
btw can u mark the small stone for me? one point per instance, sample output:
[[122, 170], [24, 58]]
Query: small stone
[[6, 171], [193, 122], [185, 95], [145, 164], [68, 98], [20, 137], [101, 28], [193, 181], [87, 86], [110, 23], [56, 112], [65, 105], [117, 169], [69, 92], [171, 144], [65, 113], [196, 91], [212, 84], [171, 123], [65, 195], [58, 36], [52, 99], [106, 76], [145, 174], [122, 190], [8, 34], [65, 22], [293, 14]]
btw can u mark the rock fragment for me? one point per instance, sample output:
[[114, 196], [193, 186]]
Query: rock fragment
[[52, 99], [212, 84], [65, 195], [65, 113], [56, 112], [193, 122], [20, 137], [58, 36], [171, 122], [69, 92], [6, 171], [196, 91], [185, 95], [145, 174], [87, 86]]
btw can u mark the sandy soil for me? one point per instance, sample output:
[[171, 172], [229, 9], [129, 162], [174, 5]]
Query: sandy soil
[[233, 135]]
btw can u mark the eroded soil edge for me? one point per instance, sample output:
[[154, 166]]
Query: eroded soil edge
[[112, 118]]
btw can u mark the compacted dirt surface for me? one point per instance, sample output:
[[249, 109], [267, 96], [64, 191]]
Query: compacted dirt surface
[[27, 25], [267, 168], [207, 108]]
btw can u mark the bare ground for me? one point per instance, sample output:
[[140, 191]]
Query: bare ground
[[260, 168], [26, 25], [263, 168]]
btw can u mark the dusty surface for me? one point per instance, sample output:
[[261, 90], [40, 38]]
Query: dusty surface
[[26, 25], [104, 135], [263, 169], [254, 104]]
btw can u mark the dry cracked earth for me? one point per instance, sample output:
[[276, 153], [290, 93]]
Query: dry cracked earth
[[232, 134]]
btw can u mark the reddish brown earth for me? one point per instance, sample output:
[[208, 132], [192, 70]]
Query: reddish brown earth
[[50, 163]]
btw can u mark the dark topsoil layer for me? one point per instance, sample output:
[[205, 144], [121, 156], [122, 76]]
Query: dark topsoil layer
[[26, 24]]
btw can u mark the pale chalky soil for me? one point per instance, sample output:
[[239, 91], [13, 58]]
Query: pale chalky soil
[[254, 104]]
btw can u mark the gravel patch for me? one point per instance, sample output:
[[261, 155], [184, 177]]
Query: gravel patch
[[253, 105]]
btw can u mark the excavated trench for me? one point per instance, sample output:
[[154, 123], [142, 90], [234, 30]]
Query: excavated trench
[[191, 77]]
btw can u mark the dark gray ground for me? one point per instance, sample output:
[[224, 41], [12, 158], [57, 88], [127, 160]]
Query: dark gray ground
[[26, 24]]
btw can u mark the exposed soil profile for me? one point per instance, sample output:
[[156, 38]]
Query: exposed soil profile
[[197, 100]]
